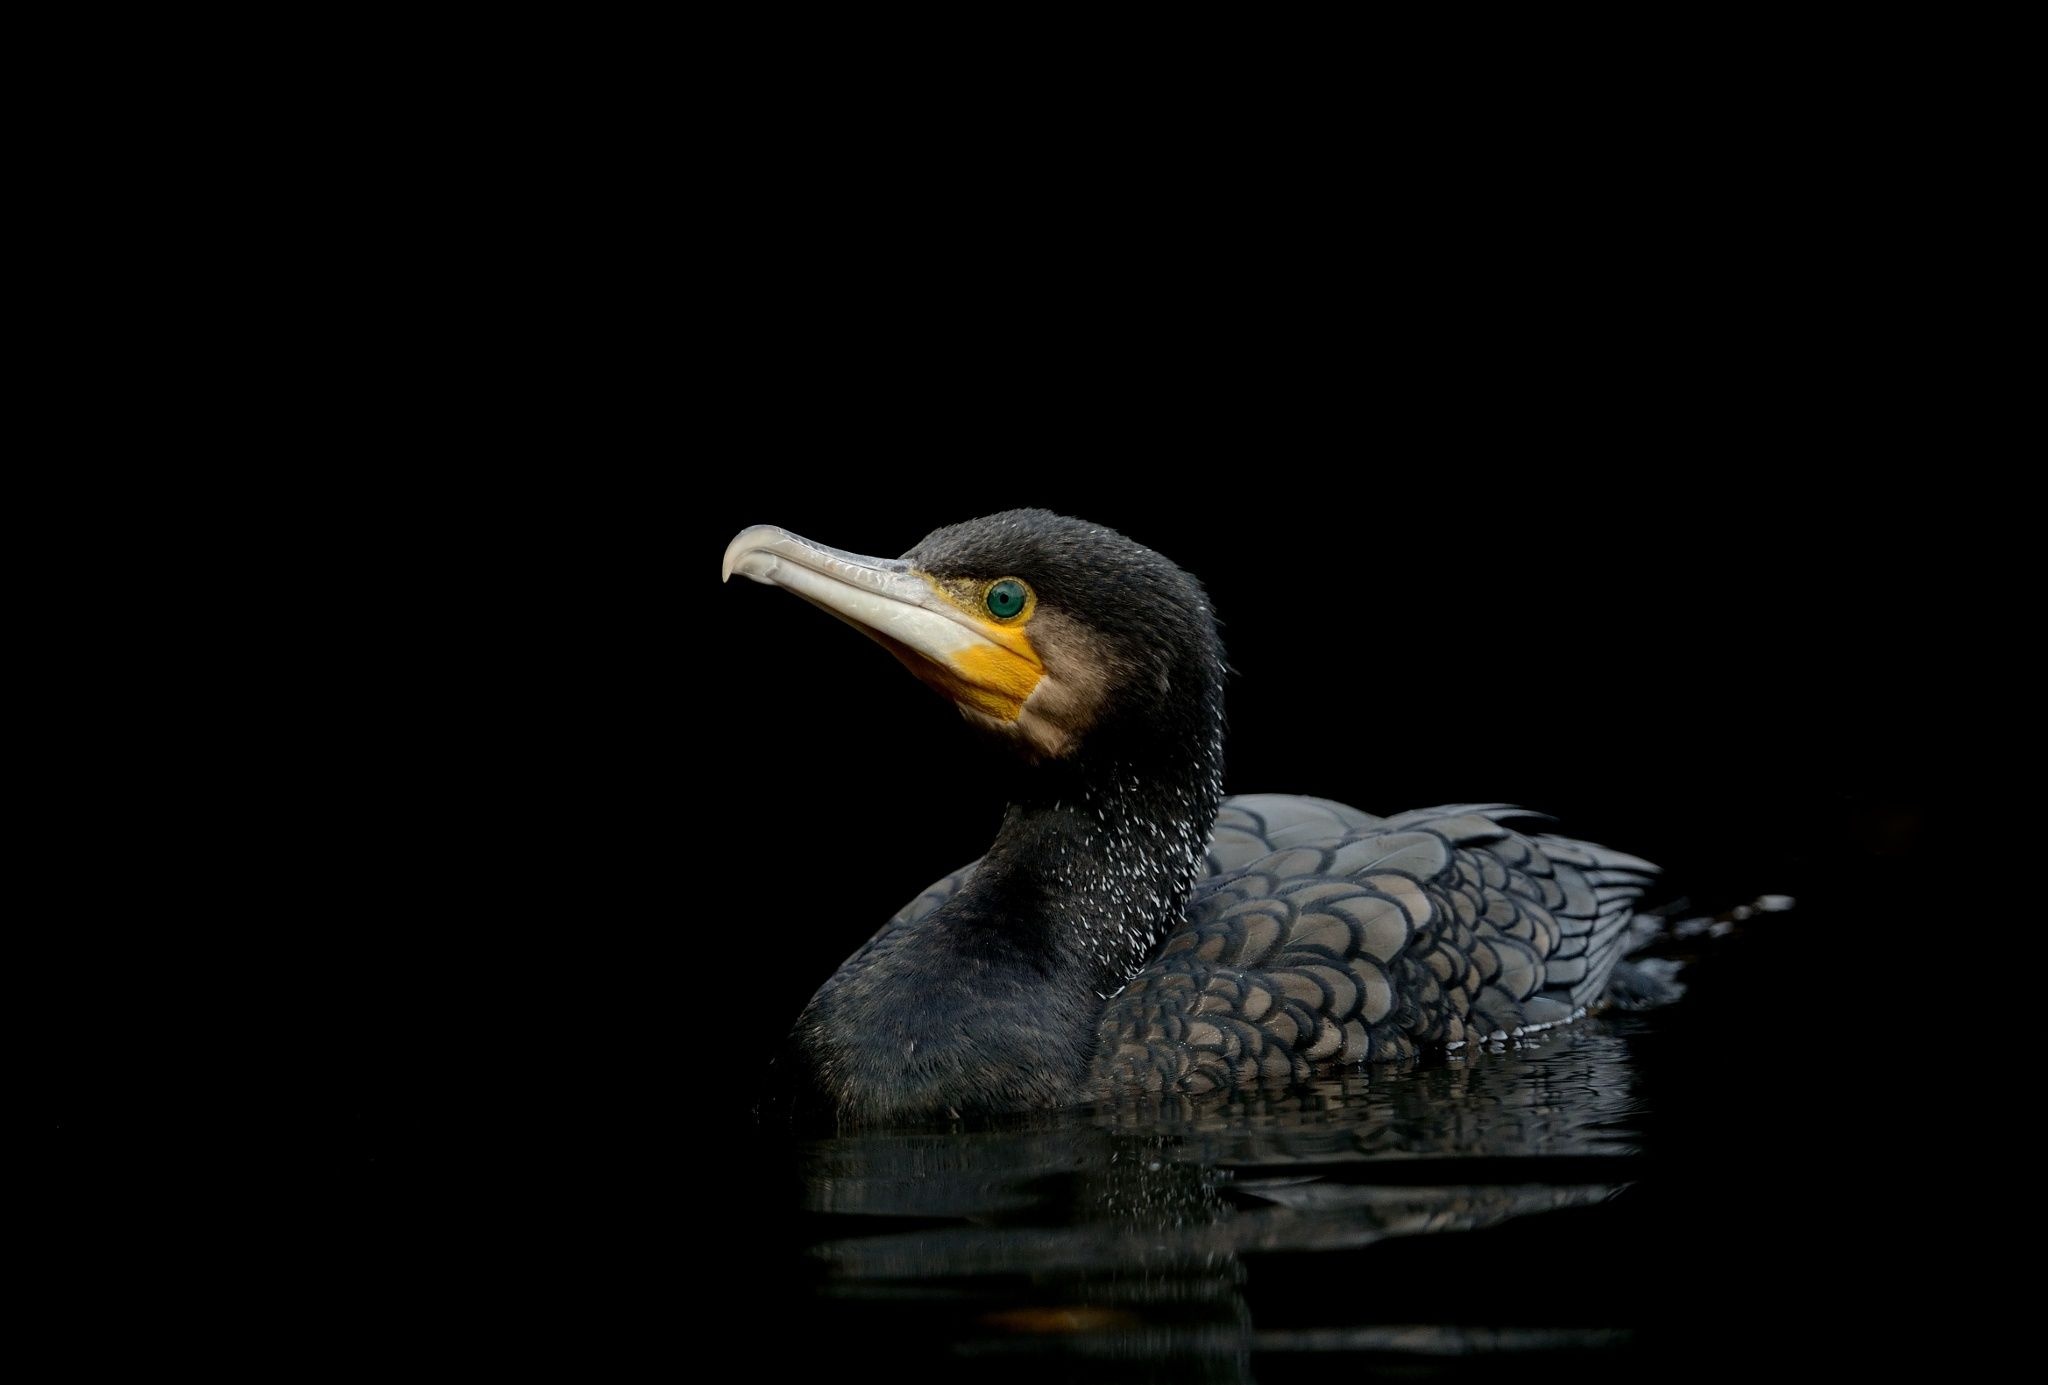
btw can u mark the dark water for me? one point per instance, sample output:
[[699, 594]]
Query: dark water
[[1628, 1196], [1589, 1202], [1634, 1197], [1152, 1236]]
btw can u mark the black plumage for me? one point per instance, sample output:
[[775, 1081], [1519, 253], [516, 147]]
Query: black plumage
[[1129, 929]]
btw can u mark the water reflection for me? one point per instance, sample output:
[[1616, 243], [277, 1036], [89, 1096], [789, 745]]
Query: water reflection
[[1120, 1238]]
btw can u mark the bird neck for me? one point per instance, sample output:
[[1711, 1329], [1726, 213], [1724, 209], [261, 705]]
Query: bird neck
[[1096, 858]]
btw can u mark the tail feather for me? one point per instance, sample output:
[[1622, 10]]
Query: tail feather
[[1643, 982]]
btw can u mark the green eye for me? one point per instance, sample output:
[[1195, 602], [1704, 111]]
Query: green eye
[[1005, 599]]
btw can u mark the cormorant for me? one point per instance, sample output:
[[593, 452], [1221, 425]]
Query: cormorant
[[1131, 929]]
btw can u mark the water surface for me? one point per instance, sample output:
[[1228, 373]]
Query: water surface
[[1417, 1217]]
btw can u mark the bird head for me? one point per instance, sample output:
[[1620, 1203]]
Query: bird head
[[1048, 631]]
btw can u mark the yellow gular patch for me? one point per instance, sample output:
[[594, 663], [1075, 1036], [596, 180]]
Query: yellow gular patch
[[998, 681], [995, 678]]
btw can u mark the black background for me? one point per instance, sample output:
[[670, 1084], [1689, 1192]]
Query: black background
[[588, 827], [436, 848], [537, 837]]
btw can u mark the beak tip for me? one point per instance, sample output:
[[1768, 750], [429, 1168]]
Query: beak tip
[[746, 558], [746, 542]]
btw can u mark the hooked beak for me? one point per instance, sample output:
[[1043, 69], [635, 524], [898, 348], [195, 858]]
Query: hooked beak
[[982, 666]]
